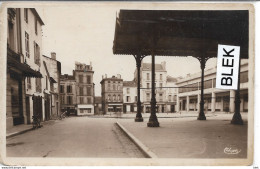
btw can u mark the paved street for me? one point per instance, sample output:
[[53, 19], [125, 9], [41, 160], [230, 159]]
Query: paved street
[[179, 136], [74, 137]]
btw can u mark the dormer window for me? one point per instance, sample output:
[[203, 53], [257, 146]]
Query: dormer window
[[26, 15], [36, 29]]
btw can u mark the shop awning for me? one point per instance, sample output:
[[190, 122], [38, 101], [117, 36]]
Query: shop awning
[[24, 68]]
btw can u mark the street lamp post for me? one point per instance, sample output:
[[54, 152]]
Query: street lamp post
[[153, 121], [201, 113], [237, 119], [138, 117]]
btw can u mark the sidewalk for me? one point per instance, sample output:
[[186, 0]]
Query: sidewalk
[[23, 128], [161, 115], [191, 138]]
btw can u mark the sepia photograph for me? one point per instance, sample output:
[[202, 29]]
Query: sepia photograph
[[127, 83]]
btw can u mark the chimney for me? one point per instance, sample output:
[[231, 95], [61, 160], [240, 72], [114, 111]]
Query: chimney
[[118, 76], [105, 76], [53, 55], [90, 65], [163, 65]]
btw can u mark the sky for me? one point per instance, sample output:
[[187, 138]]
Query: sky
[[86, 33]]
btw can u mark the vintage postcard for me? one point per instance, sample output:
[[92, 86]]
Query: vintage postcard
[[127, 83]]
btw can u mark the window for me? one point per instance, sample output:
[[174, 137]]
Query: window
[[128, 99], [61, 88], [244, 77], [118, 87], [36, 54], [218, 99], [46, 85], [114, 97], [174, 98], [119, 98], [160, 76], [89, 100], [170, 98], [147, 85], [11, 32], [147, 96], [108, 86], [38, 84], [27, 47], [62, 99], [52, 87], [89, 93], [135, 98], [35, 25], [214, 82], [29, 84], [80, 78], [127, 90], [26, 15], [81, 92], [88, 79], [161, 97], [147, 76], [108, 97], [114, 86], [69, 89], [81, 100], [69, 100]]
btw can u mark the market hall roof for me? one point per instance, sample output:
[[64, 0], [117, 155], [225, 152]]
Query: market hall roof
[[180, 33]]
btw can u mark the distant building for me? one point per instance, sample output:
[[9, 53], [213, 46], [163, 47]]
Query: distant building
[[84, 88], [52, 84], [68, 94], [146, 84], [98, 105], [112, 94], [215, 100], [171, 94], [129, 96]]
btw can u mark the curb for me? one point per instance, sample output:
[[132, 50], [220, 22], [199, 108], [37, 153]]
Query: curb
[[147, 152], [18, 133]]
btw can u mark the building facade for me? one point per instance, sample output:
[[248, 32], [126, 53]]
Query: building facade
[[129, 96], [84, 88], [171, 94], [160, 83], [112, 94], [17, 109], [215, 100], [31, 30], [68, 97], [51, 80], [25, 37]]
